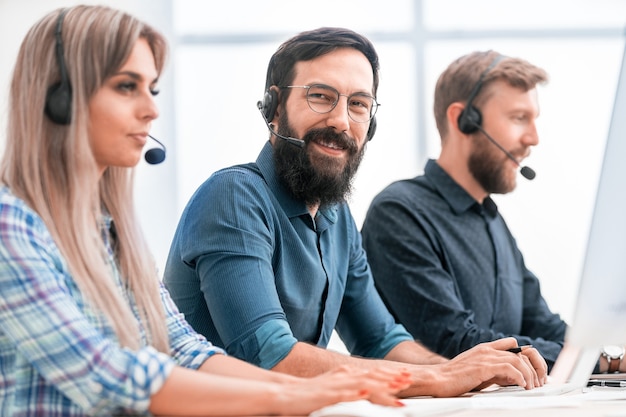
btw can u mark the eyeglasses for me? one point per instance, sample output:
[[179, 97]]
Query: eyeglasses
[[324, 98]]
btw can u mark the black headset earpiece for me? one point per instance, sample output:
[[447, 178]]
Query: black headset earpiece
[[371, 130], [59, 95], [269, 104], [470, 118]]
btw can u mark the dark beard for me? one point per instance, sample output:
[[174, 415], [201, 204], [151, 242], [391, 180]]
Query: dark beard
[[321, 180], [488, 169]]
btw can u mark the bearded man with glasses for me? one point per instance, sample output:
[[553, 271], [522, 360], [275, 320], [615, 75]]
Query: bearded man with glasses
[[267, 260]]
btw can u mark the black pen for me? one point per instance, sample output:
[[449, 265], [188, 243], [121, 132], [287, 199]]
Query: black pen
[[518, 349], [606, 383]]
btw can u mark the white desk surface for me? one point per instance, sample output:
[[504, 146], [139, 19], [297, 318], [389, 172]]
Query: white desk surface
[[595, 402]]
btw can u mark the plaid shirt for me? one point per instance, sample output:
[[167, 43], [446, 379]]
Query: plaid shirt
[[58, 355]]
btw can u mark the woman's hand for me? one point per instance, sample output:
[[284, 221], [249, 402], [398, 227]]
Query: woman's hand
[[379, 385]]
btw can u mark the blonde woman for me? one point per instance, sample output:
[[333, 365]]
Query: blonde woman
[[86, 328]]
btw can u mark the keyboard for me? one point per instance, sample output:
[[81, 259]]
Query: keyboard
[[517, 391]]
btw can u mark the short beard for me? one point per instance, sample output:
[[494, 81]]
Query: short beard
[[321, 181], [488, 169]]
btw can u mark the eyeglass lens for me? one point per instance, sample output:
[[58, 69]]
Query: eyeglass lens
[[323, 99]]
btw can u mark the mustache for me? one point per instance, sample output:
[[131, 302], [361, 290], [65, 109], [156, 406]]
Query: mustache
[[520, 153], [328, 135]]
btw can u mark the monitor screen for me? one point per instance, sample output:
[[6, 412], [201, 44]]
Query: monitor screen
[[600, 314]]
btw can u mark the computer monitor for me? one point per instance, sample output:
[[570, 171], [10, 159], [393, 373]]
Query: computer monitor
[[600, 309], [600, 314]]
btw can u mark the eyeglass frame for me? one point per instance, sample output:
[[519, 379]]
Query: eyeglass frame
[[373, 110]]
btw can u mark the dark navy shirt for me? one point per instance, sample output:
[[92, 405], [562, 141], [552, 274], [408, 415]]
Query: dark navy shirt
[[450, 270], [255, 273]]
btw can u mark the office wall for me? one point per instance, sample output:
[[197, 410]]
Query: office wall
[[154, 184]]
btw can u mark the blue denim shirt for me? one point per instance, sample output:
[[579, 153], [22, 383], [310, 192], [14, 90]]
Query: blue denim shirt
[[255, 273], [451, 271]]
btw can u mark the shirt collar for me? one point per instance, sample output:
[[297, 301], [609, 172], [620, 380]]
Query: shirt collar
[[457, 198], [290, 205]]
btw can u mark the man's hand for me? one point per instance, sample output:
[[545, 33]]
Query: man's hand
[[537, 362], [483, 365]]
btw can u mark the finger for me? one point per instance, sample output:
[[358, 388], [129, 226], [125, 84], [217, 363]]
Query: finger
[[481, 368], [521, 362], [538, 363], [535, 363], [502, 344], [385, 399], [397, 378], [388, 385], [512, 373], [534, 378], [524, 365], [386, 380], [503, 374]]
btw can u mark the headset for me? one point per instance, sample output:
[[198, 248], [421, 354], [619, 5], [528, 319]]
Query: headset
[[59, 96], [269, 104], [58, 105], [470, 118], [470, 121]]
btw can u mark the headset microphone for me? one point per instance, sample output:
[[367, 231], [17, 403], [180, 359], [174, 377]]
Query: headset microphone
[[470, 120], [155, 155], [526, 172], [297, 142]]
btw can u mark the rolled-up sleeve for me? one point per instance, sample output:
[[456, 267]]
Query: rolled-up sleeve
[[232, 248], [188, 348]]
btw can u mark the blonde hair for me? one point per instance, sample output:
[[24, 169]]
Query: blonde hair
[[53, 169]]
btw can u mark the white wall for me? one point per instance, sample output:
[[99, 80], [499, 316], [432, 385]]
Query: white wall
[[155, 184]]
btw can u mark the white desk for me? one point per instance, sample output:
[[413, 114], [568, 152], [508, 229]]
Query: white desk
[[595, 403], [599, 409]]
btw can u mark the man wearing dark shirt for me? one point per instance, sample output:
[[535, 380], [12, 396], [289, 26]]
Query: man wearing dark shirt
[[442, 256]]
